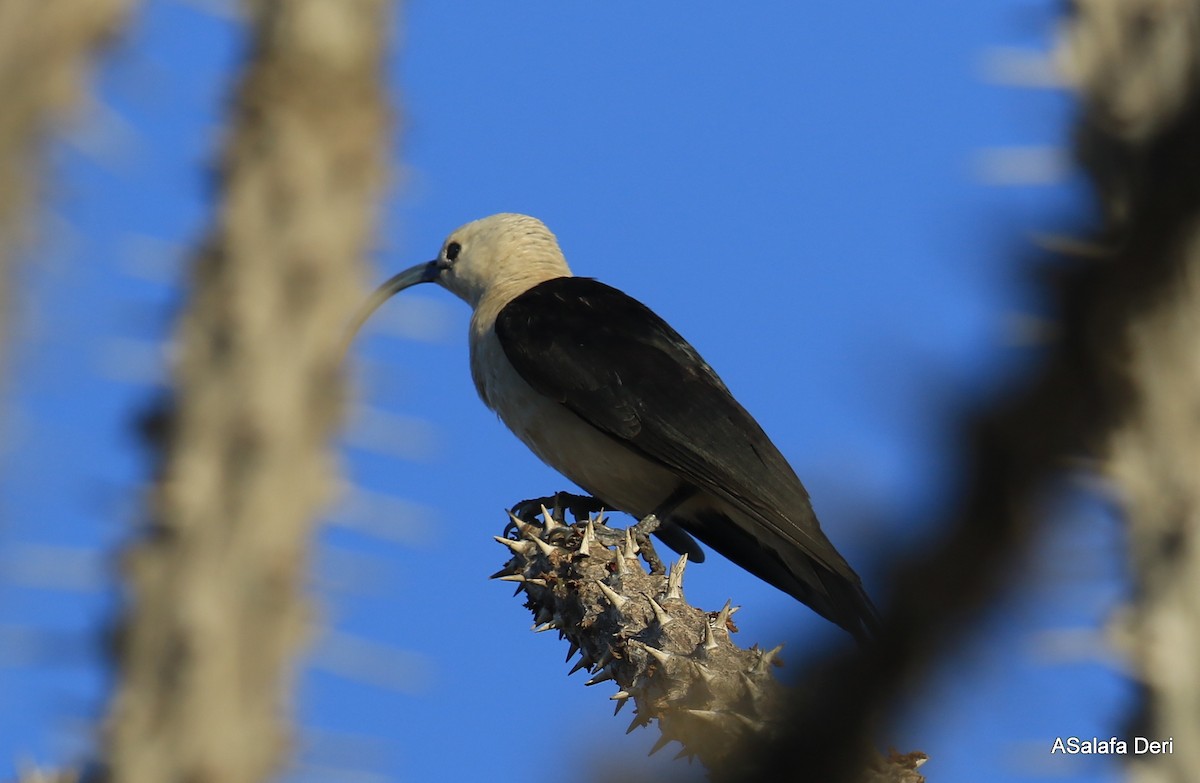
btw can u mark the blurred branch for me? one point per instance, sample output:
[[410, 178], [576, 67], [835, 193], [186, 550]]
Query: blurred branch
[[677, 664], [45, 50], [1137, 65], [46, 47], [1122, 377], [216, 608], [35, 775]]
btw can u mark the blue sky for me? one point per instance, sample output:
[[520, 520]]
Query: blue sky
[[811, 195]]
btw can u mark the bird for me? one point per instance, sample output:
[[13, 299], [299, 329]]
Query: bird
[[604, 391]]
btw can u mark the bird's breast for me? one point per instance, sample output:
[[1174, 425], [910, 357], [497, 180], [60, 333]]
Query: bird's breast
[[600, 464]]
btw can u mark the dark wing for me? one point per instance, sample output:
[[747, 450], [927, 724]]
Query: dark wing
[[624, 370]]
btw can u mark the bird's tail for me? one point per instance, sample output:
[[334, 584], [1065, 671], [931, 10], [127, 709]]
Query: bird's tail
[[843, 602]]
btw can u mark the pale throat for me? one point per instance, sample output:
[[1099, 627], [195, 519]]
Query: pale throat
[[489, 367], [500, 292]]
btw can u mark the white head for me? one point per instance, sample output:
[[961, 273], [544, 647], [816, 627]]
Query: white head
[[499, 257], [488, 261]]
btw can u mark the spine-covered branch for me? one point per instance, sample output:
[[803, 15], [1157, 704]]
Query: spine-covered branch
[[1137, 66], [676, 663], [1122, 377], [46, 47], [216, 605], [45, 51]]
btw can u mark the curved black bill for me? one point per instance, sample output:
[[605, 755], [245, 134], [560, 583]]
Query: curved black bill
[[421, 273]]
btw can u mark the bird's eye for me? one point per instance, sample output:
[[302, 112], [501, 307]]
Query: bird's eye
[[452, 251]]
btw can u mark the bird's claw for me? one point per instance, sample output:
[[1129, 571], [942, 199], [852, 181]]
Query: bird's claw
[[558, 503], [581, 506], [641, 536], [647, 526], [615, 537]]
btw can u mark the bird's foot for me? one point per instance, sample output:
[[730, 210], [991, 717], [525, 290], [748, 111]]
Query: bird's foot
[[617, 537], [641, 536], [647, 526], [581, 507], [557, 504]]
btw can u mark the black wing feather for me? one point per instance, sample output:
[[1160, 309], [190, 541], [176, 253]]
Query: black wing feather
[[624, 370]]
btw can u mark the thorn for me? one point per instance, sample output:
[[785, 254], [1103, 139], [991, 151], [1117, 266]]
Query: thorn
[[620, 705], [660, 614], [710, 639], [507, 577], [638, 721], [550, 522], [542, 628], [662, 656], [583, 663], [574, 648], [662, 743], [604, 675], [520, 547], [622, 566], [620, 696], [524, 528], [585, 546], [518, 590], [605, 659], [675, 579], [542, 545], [616, 600], [682, 753], [521, 578], [722, 620], [767, 659], [599, 520], [705, 674], [753, 726], [752, 689], [631, 549], [544, 615], [708, 716]]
